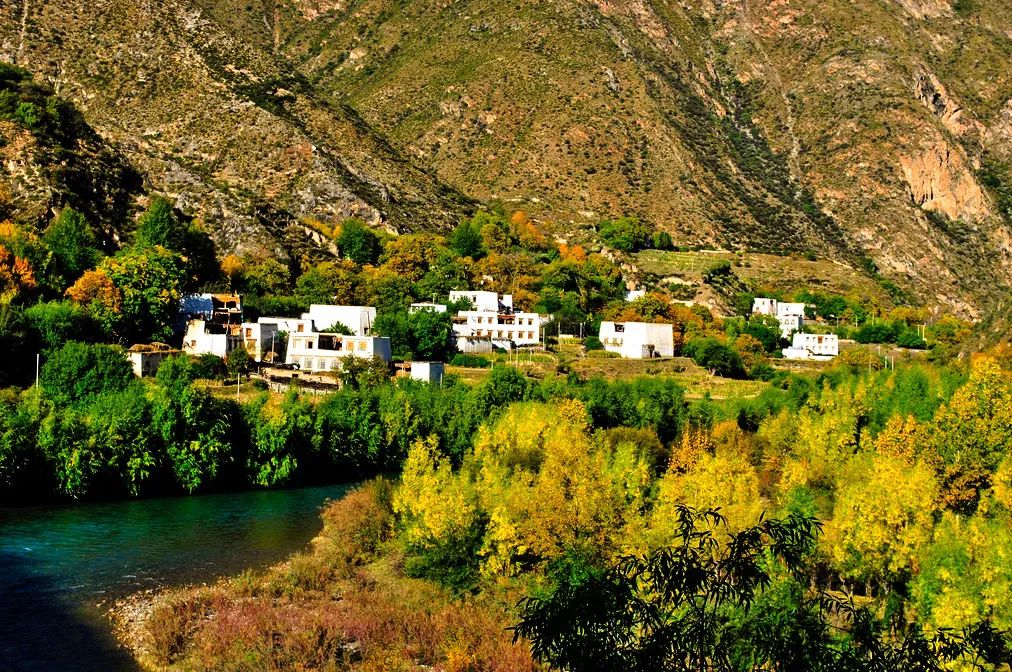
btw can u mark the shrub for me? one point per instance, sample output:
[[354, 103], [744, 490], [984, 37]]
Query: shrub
[[78, 371], [593, 343], [470, 361]]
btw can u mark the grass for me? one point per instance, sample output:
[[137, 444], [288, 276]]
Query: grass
[[345, 605], [768, 272]]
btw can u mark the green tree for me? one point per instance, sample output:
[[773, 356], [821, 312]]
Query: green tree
[[158, 225], [56, 322], [627, 234], [73, 245], [150, 281], [237, 363], [77, 372], [265, 277], [662, 241], [358, 242], [733, 607], [327, 282], [466, 240]]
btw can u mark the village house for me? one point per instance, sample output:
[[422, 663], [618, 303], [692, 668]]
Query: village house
[[146, 359], [212, 323], [262, 340], [221, 308], [314, 352], [638, 340], [211, 338], [493, 323], [358, 319], [819, 347], [791, 316]]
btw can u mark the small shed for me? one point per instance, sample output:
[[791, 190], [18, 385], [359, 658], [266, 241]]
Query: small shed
[[429, 372]]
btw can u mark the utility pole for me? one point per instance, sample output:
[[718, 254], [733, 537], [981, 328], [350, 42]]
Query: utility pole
[[237, 376], [38, 357]]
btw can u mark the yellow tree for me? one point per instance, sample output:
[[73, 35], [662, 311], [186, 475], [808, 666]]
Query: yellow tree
[[548, 488], [883, 515], [432, 502], [726, 480], [231, 268], [974, 432]]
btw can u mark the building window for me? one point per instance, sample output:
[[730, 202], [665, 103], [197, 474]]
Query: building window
[[309, 345], [300, 327]]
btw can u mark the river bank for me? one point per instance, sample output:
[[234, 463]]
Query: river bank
[[345, 604], [63, 568]]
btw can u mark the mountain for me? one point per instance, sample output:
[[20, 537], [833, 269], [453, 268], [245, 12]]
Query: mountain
[[234, 135], [877, 133]]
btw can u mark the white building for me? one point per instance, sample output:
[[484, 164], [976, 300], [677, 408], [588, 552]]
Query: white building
[[638, 340], [358, 319], [262, 340], [820, 347], [146, 359], [211, 338], [427, 305], [222, 308], [791, 316], [634, 294], [428, 372], [493, 323], [484, 301], [313, 351]]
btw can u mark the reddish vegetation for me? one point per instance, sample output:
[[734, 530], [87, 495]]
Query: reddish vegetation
[[341, 607]]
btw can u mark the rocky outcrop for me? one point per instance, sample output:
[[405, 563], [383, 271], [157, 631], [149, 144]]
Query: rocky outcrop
[[939, 180], [933, 94], [926, 9]]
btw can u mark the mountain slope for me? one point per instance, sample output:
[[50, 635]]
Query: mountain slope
[[218, 123], [873, 132], [849, 128]]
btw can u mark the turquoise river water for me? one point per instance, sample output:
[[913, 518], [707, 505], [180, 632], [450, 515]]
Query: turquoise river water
[[62, 566]]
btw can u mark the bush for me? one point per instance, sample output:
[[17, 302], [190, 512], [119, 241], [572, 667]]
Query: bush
[[718, 357], [911, 339], [593, 343], [78, 372], [627, 234], [468, 361], [602, 354]]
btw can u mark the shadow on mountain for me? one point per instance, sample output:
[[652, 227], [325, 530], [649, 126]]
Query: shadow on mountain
[[40, 631]]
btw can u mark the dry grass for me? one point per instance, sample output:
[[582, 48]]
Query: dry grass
[[344, 606], [770, 272]]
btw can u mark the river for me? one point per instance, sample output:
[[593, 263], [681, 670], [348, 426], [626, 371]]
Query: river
[[61, 566]]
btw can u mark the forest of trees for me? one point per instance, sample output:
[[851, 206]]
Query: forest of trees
[[615, 525]]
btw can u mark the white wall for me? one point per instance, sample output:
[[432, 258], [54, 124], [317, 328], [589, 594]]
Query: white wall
[[357, 318], [638, 340], [197, 341]]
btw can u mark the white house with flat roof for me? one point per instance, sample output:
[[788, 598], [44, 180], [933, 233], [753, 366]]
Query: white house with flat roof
[[791, 316], [146, 358], [263, 340], [493, 323], [316, 352], [211, 338], [428, 372], [819, 347], [358, 319], [638, 340], [484, 301]]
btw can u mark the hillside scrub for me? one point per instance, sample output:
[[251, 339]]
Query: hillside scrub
[[545, 503]]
